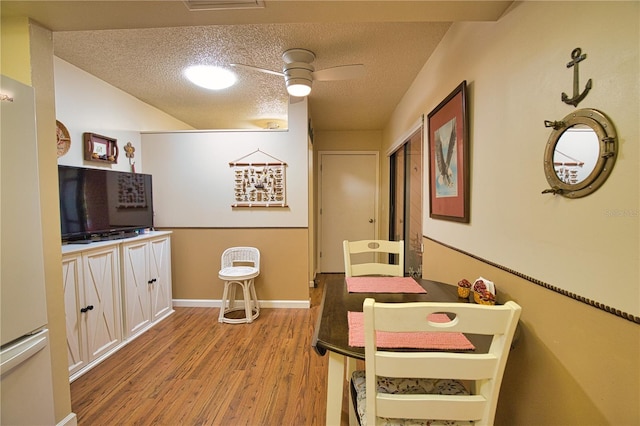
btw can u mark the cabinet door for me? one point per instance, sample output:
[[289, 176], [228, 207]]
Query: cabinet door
[[72, 284], [102, 298], [160, 271], [136, 287]]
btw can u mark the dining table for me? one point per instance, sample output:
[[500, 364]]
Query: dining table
[[331, 335]]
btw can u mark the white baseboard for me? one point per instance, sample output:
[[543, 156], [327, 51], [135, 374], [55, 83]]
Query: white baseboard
[[70, 420], [216, 303]]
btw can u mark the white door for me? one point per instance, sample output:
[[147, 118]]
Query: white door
[[160, 273], [347, 205], [101, 280], [72, 281], [136, 287]]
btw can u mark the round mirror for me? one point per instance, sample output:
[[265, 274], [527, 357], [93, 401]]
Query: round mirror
[[580, 153]]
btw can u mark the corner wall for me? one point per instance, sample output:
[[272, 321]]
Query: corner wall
[[193, 196]]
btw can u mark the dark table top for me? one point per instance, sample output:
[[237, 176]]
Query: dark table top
[[332, 329]]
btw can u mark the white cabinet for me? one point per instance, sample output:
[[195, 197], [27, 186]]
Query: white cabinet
[[92, 305], [146, 272], [113, 291]]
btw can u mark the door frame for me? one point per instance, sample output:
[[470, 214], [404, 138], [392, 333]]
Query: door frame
[[376, 201], [401, 144]]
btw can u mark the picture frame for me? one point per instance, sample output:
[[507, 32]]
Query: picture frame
[[448, 126], [100, 148]]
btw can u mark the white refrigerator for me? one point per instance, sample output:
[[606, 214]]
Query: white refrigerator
[[26, 389]]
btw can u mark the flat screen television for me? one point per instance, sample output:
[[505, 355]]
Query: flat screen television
[[99, 204]]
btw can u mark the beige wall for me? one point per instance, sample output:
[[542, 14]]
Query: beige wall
[[574, 364], [15, 49], [42, 76], [516, 71], [195, 190], [283, 257]]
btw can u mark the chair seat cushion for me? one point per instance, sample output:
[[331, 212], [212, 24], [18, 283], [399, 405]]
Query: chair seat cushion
[[238, 272], [405, 386]]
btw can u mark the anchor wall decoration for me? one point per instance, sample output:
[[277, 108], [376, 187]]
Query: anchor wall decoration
[[576, 58]]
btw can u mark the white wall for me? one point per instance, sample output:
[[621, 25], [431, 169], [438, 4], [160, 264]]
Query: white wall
[[85, 103], [194, 183], [516, 72]]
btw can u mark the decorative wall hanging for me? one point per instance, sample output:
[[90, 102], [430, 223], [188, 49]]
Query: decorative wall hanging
[[131, 191], [63, 140], [449, 158], [576, 57], [130, 150], [580, 153], [259, 184], [100, 148]]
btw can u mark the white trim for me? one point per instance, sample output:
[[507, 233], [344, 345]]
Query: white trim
[[401, 140], [217, 303], [70, 420]]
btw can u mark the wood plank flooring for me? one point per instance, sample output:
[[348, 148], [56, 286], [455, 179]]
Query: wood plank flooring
[[192, 370]]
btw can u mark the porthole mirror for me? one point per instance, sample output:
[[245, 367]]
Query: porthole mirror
[[580, 153]]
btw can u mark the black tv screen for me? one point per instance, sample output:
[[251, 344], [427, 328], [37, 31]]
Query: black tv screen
[[98, 204]]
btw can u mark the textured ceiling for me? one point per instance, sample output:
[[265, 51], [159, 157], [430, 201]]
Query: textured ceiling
[[145, 58]]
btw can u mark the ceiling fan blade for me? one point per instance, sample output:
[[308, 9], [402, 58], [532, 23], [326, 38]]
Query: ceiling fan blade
[[252, 68], [343, 72]]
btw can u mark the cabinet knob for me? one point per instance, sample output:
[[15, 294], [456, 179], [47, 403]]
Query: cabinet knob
[[88, 308], [151, 281]]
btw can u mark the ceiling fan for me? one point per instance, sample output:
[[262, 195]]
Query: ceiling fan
[[299, 74]]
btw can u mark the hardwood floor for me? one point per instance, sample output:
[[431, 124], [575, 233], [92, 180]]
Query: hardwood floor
[[192, 370]]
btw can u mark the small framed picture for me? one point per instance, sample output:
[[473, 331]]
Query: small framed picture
[[100, 148]]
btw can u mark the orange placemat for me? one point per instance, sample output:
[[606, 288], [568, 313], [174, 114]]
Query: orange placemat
[[383, 285], [411, 340]]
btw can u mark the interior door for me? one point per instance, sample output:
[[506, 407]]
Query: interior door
[[347, 205]]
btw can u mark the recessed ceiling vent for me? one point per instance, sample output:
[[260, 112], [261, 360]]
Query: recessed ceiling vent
[[195, 5]]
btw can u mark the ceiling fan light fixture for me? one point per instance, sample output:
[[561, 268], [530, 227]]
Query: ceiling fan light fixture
[[298, 87], [298, 78], [210, 77]]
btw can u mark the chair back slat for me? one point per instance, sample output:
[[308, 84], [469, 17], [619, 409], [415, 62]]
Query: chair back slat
[[436, 365], [376, 248], [449, 407], [466, 318]]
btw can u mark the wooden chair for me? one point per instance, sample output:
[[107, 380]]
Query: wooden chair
[[239, 267], [351, 248], [461, 388]]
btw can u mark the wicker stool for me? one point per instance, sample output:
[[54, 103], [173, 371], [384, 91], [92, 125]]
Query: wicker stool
[[240, 265]]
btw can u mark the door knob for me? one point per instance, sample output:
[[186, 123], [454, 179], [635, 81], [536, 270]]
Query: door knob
[[370, 220]]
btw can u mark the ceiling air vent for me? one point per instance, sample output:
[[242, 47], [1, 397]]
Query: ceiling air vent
[[195, 5]]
